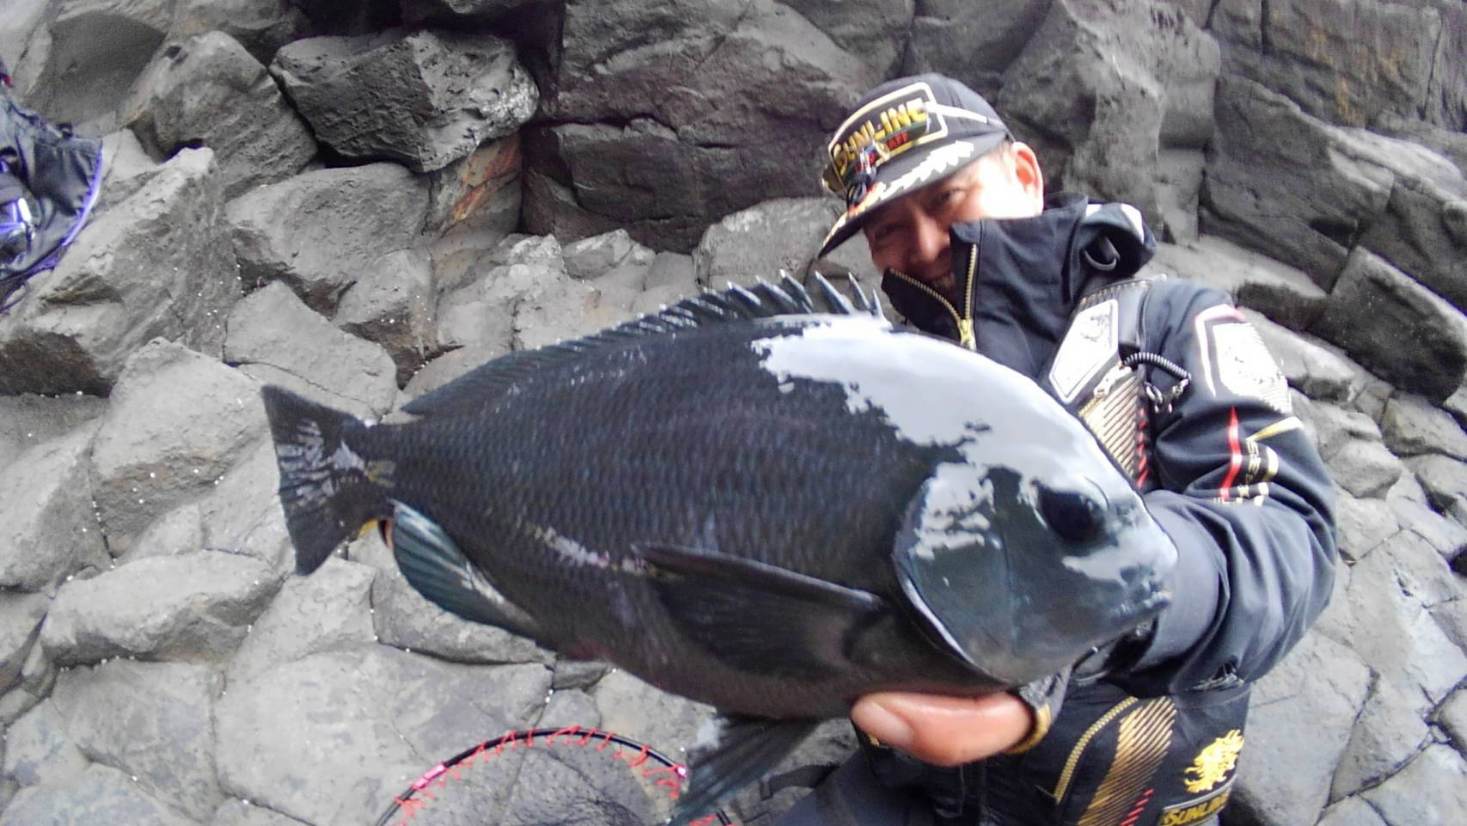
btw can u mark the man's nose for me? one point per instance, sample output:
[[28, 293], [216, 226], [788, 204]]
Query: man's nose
[[929, 246]]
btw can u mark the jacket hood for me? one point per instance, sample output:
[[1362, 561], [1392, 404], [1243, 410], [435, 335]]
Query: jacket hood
[[1019, 279]]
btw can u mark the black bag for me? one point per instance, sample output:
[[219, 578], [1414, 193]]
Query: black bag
[[49, 180]]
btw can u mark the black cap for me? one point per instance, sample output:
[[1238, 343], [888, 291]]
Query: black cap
[[902, 135]]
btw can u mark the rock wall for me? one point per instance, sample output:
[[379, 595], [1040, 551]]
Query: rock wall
[[363, 200]]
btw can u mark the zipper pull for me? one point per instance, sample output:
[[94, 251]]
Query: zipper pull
[[965, 334]]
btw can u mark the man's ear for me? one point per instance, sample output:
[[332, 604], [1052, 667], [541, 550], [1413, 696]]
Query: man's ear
[[1027, 172]]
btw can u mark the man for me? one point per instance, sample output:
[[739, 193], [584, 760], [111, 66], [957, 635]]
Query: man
[[1181, 392]]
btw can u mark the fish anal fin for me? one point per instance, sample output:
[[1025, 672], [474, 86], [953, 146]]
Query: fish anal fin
[[733, 607], [745, 750], [436, 568]]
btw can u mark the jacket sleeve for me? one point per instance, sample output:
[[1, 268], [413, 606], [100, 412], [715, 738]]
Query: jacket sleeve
[[1242, 492]]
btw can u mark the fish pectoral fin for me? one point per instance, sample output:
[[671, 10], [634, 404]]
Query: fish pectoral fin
[[745, 750], [437, 569], [734, 608]]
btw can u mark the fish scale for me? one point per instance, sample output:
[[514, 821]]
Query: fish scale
[[750, 502]]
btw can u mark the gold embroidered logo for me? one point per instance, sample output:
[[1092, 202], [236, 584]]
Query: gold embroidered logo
[[1214, 763]]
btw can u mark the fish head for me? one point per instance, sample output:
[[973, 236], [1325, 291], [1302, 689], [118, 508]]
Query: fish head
[[1021, 567]]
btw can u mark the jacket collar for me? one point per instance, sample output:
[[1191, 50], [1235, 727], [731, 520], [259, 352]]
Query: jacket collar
[[1019, 279]]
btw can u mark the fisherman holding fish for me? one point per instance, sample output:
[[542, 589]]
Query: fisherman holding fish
[[1177, 388]]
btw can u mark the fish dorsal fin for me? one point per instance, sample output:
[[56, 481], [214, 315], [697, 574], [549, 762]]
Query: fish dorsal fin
[[487, 382]]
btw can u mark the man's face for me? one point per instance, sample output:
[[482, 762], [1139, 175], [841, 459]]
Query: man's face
[[910, 234]]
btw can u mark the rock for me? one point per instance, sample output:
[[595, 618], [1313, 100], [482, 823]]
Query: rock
[[704, 110], [577, 673], [245, 813], [457, 11], [482, 313], [1370, 306], [782, 234], [1428, 790], [177, 421], [20, 622], [475, 201], [1298, 728], [1395, 634], [1453, 717], [635, 709], [1314, 369], [1362, 524], [38, 749], [592, 258], [97, 794], [150, 720], [179, 531], [27, 421], [1372, 396], [672, 269], [973, 42], [424, 98], [261, 26], [318, 230], [50, 531], [1445, 481], [1388, 733], [22, 17], [192, 607], [1364, 468], [447, 367], [569, 708], [276, 339], [394, 304], [1345, 61], [1179, 193], [829, 745], [403, 618], [126, 167], [1113, 85], [92, 52], [1451, 616], [155, 265], [1412, 426], [327, 610], [329, 738], [1352, 811], [37, 676], [1424, 231], [1278, 291], [208, 90], [243, 514], [562, 311], [1286, 184]]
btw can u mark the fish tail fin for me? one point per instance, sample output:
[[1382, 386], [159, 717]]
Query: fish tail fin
[[326, 488]]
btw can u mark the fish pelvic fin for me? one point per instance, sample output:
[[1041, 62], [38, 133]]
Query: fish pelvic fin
[[327, 489], [742, 750]]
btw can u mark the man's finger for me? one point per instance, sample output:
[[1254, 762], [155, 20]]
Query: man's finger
[[946, 731]]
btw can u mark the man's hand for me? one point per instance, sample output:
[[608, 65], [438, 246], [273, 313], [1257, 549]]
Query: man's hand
[[945, 731]]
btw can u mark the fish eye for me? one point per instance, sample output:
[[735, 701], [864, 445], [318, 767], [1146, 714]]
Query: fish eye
[[1075, 516]]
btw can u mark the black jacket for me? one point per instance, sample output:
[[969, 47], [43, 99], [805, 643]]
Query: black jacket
[[1234, 479]]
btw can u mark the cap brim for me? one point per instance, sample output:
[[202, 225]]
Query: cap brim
[[905, 175]]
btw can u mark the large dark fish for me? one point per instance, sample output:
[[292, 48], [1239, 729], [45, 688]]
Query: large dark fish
[[751, 504]]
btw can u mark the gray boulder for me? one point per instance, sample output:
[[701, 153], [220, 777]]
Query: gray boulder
[[1429, 790], [276, 339], [1107, 87], [179, 531], [875, 31], [192, 607], [176, 422], [246, 813], [424, 98], [1349, 442], [1362, 524], [481, 314], [243, 514], [1445, 481], [20, 622], [1453, 717], [261, 26], [331, 737], [595, 257], [329, 609], [782, 234], [1424, 230], [1298, 728], [1369, 308], [973, 42], [207, 90], [393, 304], [97, 794], [39, 750], [29, 420], [22, 17], [155, 265], [457, 11], [635, 709], [1346, 61], [1388, 733], [1314, 369], [1352, 811], [78, 67], [1412, 426], [50, 531], [1447, 536], [153, 721], [318, 230], [703, 109], [1278, 291], [475, 201]]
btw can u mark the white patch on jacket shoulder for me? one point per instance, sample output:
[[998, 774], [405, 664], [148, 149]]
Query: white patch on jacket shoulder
[[1246, 368], [1088, 347]]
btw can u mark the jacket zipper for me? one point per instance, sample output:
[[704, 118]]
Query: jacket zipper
[[964, 320], [1068, 773]]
